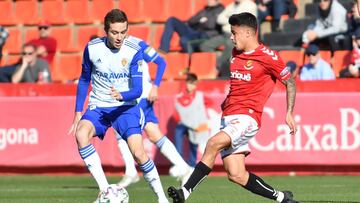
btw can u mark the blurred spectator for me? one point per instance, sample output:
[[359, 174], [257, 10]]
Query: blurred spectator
[[6, 73], [31, 69], [329, 28], [317, 68], [293, 68], [45, 44], [275, 8], [193, 125], [3, 36], [210, 45], [352, 71], [199, 27], [354, 21]]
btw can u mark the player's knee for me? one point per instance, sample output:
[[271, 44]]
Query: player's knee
[[213, 144], [154, 137], [82, 136]]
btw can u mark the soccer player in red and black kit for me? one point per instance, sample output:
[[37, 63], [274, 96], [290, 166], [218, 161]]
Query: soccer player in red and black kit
[[254, 70]]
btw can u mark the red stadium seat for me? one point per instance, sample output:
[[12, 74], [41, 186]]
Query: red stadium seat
[[7, 16], [9, 59], [156, 10], [341, 60], [227, 2], [72, 11], [31, 33], [292, 55], [68, 68], [85, 33], [141, 31], [99, 8], [175, 41], [134, 10], [199, 5], [13, 43], [27, 12], [177, 64], [64, 37], [181, 9], [203, 64], [54, 12]]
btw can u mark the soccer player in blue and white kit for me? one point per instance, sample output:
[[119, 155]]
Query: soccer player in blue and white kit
[[113, 65], [152, 130]]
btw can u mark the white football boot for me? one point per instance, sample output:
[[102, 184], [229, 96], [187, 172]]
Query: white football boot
[[128, 180]]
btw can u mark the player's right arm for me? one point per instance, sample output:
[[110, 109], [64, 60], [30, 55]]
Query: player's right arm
[[82, 89]]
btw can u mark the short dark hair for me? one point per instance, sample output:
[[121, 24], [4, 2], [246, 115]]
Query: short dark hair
[[29, 45], [191, 77], [244, 19], [114, 16]]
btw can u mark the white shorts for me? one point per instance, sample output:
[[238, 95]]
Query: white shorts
[[241, 128]]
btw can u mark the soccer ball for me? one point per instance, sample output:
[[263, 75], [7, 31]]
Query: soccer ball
[[114, 194]]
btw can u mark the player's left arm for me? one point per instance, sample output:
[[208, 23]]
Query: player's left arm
[[161, 65], [151, 55], [136, 80], [290, 98], [283, 74]]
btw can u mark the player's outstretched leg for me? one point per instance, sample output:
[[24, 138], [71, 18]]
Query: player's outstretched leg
[[131, 176], [168, 149], [176, 194], [147, 166], [288, 197]]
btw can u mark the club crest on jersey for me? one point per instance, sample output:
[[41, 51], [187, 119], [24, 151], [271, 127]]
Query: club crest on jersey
[[248, 65], [124, 62]]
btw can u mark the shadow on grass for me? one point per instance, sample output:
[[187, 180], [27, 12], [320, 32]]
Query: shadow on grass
[[81, 187]]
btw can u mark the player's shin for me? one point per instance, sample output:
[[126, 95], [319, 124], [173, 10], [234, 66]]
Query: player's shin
[[151, 176], [130, 169], [258, 186], [200, 172], [93, 163], [168, 149]]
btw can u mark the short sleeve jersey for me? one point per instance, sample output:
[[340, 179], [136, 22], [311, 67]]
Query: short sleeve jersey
[[252, 79]]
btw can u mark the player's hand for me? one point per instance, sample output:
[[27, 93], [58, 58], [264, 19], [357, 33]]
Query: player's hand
[[115, 94], [75, 123], [153, 96], [202, 127], [291, 123]]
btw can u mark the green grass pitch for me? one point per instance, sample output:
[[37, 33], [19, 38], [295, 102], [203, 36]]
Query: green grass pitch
[[78, 189]]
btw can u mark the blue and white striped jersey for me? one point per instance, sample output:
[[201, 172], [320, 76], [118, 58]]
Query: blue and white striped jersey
[[106, 68]]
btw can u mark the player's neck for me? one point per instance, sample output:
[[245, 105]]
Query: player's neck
[[251, 46]]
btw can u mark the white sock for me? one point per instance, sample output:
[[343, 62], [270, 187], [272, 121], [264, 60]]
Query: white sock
[[186, 192], [151, 176], [130, 169], [168, 149], [280, 196], [93, 163]]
